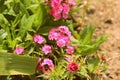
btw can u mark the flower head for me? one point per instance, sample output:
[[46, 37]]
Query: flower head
[[70, 49], [38, 39], [66, 10], [19, 50], [64, 30], [63, 41], [47, 49], [46, 65], [53, 34], [72, 67]]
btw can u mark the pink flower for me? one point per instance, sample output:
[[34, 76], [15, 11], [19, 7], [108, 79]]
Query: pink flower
[[72, 67], [48, 62], [72, 2], [38, 39], [63, 41], [19, 50], [40, 67], [66, 10], [47, 49], [70, 49], [56, 11], [64, 30], [46, 65], [61, 35], [53, 34], [55, 3]]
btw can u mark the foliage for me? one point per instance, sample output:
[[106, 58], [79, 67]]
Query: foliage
[[21, 20]]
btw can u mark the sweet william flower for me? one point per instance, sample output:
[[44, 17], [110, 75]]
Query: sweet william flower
[[72, 67], [47, 65], [19, 50], [63, 41], [48, 62], [70, 49], [57, 9], [64, 30], [38, 39], [53, 34], [66, 10], [47, 49]]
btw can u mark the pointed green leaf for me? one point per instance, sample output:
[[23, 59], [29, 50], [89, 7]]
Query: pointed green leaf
[[26, 24], [86, 34]]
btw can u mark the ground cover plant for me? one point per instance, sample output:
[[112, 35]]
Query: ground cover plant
[[38, 40]]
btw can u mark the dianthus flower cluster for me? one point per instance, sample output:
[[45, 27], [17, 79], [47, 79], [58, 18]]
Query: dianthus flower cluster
[[60, 8], [61, 35]]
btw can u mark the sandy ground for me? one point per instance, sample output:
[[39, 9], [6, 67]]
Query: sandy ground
[[105, 15], [106, 18]]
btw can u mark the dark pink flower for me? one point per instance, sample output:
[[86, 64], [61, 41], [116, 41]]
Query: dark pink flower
[[40, 67], [66, 10], [46, 65], [72, 67], [47, 49], [55, 3], [38, 39], [70, 49], [19, 50], [64, 30], [56, 9]]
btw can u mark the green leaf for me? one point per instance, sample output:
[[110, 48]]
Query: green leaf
[[93, 63], [86, 34], [12, 64], [45, 30], [40, 16], [93, 46], [3, 21], [26, 25]]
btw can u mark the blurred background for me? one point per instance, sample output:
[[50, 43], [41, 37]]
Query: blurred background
[[105, 16]]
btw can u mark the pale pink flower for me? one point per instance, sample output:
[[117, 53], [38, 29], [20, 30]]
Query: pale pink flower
[[48, 62], [53, 34], [47, 49], [38, 39], [46, 65], [72, 2], [19, 50], [70, 49], [63, 41]]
